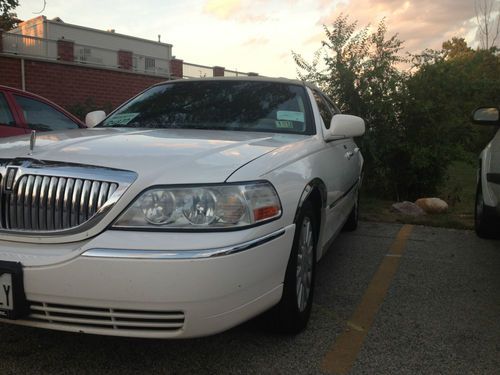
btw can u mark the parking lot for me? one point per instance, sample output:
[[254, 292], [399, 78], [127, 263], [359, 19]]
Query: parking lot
[[390, 299]]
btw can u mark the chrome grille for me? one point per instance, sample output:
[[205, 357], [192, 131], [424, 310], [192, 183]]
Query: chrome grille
[[48, 197], [106, 318], [42, 203]]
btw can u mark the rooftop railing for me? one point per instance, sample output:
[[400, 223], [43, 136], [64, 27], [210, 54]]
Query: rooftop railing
[[69, 51]]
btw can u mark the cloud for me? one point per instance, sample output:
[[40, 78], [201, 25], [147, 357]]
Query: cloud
[[238, 10], [315, 39], [254, 42], [421, 24], [222, 9]]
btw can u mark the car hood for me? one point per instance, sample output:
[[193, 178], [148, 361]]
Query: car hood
[[161, 155]]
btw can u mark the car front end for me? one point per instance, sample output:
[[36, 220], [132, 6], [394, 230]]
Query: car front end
[[138, 253], [175, 216]]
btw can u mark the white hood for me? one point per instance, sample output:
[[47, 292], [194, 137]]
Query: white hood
[[158, 156]]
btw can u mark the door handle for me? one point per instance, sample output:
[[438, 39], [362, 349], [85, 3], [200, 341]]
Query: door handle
[[349, 154], [356, 150]]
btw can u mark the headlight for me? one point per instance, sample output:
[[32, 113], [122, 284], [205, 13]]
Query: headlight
[[203, 207]]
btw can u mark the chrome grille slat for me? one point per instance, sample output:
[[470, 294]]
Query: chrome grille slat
[[19, 198], [12, 217], [42, 217], [94, 191], [112, 189], [20, 202], [103, 194], [75, 202], [66, 210], [59, 203], [84, 201], [35, 201], [27, 202], [50, 203]]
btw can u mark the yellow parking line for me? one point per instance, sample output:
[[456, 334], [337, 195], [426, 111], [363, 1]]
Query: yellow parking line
[[342, 355]]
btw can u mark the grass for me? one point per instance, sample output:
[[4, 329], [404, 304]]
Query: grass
[[458, 191]]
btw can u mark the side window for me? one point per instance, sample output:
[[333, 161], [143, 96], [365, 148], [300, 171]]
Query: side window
[[41, 116], [324, 109], [330, 104], [5, 114]]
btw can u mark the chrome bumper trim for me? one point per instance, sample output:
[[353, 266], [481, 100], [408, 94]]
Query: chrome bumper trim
[[181, 254]]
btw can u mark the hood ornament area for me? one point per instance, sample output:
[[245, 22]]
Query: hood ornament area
[[32, 142]]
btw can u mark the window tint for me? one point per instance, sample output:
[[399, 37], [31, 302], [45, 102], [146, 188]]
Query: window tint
[[324, 109], [5, 114], [219, 105], [41, 116]]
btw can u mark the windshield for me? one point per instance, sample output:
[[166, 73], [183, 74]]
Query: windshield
[[219, 105]]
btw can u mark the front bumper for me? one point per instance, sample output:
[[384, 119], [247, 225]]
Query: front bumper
[[108, 286]]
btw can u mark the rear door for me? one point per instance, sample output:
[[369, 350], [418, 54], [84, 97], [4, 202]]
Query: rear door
[[9, 124]]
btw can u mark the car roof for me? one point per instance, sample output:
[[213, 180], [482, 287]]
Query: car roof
[[22, 92], [41, 98], [245, 78]]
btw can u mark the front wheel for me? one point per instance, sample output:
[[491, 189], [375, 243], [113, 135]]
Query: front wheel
[[292, 313]]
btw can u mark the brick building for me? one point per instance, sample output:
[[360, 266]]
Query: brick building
[[71, 64]]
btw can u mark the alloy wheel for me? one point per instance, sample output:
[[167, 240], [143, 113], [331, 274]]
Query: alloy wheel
[[304, 264]]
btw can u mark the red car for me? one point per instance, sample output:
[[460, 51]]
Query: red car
[[21, 112]]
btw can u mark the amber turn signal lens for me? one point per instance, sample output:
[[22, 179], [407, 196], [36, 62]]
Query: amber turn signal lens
[[263, 213]]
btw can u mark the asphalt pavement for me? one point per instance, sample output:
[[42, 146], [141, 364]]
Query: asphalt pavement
[[390, 299]]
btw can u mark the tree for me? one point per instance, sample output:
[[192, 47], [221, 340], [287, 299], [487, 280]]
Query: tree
[[456, 47], [417, 121], [358, 70], [8, 19], [488, 22], [459, 82]]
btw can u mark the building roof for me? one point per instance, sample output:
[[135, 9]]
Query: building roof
[[59, 21]]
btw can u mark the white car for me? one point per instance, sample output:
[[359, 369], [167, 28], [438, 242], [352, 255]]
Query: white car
[[193, 207], [487, 212]]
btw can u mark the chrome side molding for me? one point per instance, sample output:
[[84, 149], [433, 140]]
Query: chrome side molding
[[181, 254]]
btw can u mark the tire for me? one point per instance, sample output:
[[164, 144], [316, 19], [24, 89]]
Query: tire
[[292, 313], [352, 220], [483, 224]]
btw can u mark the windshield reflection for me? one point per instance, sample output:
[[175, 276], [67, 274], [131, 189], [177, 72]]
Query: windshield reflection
[[218, 105]]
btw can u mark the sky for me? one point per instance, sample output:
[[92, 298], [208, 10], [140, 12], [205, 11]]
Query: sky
[[259, 35]]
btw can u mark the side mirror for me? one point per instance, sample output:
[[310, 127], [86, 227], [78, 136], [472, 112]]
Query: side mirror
[[94, 118], [345, 126], [486, 116]]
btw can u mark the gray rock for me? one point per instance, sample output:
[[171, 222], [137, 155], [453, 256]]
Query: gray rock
[[408, 208]]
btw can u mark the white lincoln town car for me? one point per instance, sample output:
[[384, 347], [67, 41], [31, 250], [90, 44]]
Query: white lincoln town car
[[193, 207]]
